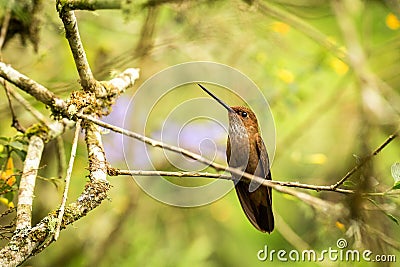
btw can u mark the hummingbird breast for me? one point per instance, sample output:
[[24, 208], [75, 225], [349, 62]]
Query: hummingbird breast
[[242, 153], [241, 148]]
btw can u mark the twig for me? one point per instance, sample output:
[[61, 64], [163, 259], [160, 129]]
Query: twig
[[15, 122], [72, 34], [116, 172], [27, 184], [364, 160], [60, 156], [35, 113], [318, 188], [67, 180]]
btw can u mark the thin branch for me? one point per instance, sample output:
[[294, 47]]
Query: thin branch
[[15, 123], [318, 188], [72, 34], [364, 160], [116, 172], [27, 184], [67, 179], [60, 156], [34, 112]]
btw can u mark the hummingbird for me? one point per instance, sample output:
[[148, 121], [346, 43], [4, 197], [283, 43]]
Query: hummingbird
[[246, 150]]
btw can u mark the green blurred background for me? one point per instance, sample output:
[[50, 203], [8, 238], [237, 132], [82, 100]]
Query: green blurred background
[[324, 116]]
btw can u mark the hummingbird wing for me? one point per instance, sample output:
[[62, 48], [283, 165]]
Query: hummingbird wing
[[257, 204]]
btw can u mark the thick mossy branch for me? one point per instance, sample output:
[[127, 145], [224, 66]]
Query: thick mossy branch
[[95, 192], [68, 18]]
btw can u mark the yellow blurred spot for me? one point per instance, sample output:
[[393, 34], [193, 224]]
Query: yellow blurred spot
[[340, 226], [8, 175], [6, 202], [338, 66], [317, 158], [280, 27], [285, 75], [261, 57], [392, 22]]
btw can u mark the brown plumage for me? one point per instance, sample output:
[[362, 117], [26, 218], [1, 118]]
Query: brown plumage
[[246, 151]]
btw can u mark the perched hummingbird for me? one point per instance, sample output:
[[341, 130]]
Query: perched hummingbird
[[246, 150]]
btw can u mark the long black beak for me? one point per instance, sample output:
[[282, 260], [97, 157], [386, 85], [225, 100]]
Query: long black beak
[[216, 98]]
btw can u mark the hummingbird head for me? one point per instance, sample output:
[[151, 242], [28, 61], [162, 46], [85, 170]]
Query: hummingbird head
[[239, 116], [247, 117]]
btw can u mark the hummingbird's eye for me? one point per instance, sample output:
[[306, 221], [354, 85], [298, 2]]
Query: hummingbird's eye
[[244, 114]]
